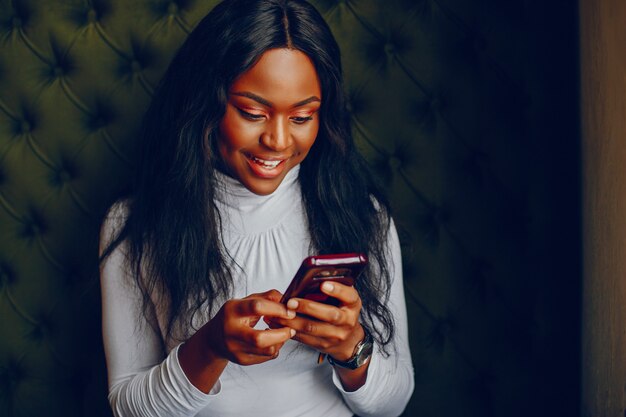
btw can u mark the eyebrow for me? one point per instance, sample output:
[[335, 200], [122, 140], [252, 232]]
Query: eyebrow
[[267, 103]]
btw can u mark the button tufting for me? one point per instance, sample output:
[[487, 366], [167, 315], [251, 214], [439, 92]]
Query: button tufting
[[37, 334], [100, 116], [31, 230], [135, 66], [17, 22], [395, 162], [97, 122], [172, 8], [61, 177], [440, 215], [436, 104], [92, 16], [63, 173], [33, 226], [390, 48], [355, 103], [439, 332], [25, 127], [7, 276], [42, 329]]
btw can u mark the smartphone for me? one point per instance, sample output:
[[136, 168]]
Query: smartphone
[[315, 270]]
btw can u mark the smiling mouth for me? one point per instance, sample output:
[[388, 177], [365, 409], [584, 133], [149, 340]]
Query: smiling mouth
[[266, 168], [269, 164]]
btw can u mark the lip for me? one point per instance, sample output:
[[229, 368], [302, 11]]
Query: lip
[[265, 172]]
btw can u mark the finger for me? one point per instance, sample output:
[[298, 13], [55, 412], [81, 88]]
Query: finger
[[347, 295], [247, 359], [265, 338], [273, 323], [272, 295], [257, 307], [323, 312], [314, 342], [319, 329], [271, 351]]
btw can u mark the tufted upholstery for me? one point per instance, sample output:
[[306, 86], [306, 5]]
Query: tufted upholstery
[[448, 104]]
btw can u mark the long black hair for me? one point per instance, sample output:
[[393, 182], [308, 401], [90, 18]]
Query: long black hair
[[172, 226]]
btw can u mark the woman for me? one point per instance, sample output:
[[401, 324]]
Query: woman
[[248, 166]]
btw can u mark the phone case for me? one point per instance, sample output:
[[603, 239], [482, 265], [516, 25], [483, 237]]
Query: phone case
[[343, 268]]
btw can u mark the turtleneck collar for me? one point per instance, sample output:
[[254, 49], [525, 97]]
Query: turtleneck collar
[[247, 212], [230, 190]]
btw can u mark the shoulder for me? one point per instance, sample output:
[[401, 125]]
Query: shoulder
[[383, 212], [113, 222]]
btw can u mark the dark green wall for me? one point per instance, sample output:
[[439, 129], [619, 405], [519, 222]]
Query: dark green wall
[[467, 110]]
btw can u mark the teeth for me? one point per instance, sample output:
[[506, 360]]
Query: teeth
[[266, 164]]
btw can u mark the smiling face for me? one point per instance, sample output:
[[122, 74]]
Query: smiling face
[[271, 119]]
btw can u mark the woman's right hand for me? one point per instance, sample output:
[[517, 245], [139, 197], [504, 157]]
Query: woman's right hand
[[230, 336]]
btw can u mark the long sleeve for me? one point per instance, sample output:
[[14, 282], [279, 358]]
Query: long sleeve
[[390, 382], [143, 379]]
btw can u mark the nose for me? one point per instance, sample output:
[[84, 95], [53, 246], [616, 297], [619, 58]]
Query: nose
[[278, 136]]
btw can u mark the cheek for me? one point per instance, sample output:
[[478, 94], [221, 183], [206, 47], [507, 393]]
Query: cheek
[[234, 134], [309, 138]]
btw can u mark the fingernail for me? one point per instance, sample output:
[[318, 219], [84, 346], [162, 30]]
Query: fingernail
[[328, 286], [293, 332], [291, 314], [292, 304]]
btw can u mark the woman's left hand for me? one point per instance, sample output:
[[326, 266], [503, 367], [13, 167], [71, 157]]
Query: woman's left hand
[[332, 330]]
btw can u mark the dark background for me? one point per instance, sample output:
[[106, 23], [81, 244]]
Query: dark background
[[467, 110]]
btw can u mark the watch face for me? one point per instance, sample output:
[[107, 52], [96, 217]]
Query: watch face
[[361, 355], [364, 353]]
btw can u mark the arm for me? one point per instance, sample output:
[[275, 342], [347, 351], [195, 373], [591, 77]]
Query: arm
[[143, 380], [389, 381], [382, 387]]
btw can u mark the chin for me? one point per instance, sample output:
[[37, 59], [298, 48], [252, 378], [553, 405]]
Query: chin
[[262, 186], [263, 189]]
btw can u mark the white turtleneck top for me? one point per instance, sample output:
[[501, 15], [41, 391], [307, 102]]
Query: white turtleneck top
[[267, 236]]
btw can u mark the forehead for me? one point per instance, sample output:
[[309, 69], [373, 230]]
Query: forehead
[[281, 76]]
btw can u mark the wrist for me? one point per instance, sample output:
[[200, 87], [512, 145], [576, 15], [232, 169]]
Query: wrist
[[348, 350], [200, 364], [360, 355], [197, 353], [204, 340]]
